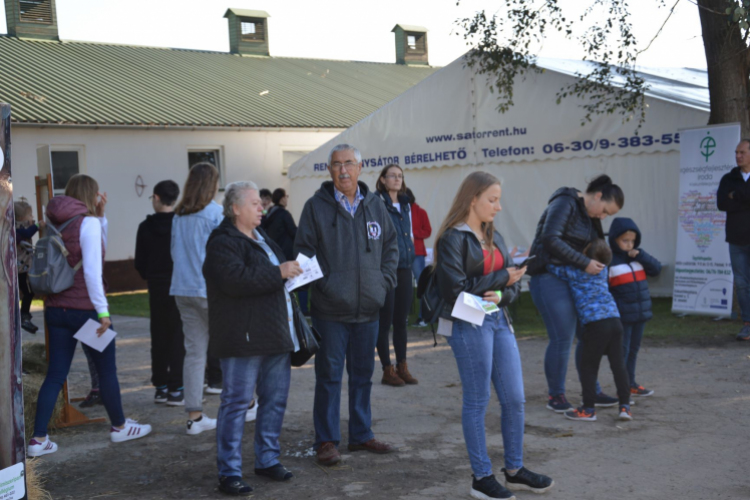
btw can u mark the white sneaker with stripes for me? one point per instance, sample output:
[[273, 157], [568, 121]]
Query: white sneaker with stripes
[[37, 449], [132, 430]]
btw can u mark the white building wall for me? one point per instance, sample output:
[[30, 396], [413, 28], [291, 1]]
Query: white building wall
[[116, 157]]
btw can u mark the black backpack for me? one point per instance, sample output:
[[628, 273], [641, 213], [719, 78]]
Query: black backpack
[[429, 297]]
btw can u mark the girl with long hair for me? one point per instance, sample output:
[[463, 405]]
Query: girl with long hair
[[472, 257], [392, 190], [79, 216], [196, 215]]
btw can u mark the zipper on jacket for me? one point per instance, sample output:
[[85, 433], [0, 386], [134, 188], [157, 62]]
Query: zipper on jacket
[[356, 251], [638, 293]]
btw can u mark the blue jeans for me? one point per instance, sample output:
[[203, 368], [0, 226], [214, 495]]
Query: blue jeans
[[554, 301], [62, 324], [484, 354], [353, 344], [417, 267], [271, 375], [740, 257], [631, 343]]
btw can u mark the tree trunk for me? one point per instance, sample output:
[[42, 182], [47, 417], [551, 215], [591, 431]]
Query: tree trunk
[[728, 61]]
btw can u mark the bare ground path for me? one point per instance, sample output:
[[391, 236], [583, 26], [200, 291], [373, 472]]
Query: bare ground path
[[689, 441]]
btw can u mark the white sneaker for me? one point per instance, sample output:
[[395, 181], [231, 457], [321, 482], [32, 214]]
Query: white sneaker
[[252, 412], [212, 390], [37, 449], [197, 426], [132, 430]]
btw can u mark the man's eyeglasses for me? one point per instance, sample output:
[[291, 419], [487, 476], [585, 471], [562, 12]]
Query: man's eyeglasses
[[348, 165]]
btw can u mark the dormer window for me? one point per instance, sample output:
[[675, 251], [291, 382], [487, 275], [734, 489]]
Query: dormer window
[[35, 11], [416, 43], [251, 30]]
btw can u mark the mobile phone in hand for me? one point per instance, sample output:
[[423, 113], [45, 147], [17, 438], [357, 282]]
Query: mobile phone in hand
[[525, 262]]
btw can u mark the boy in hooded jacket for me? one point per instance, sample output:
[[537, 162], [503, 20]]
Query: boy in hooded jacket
[[627, 283]]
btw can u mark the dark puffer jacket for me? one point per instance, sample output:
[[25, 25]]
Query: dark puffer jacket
[[402, 223], [562, 233], [280, 227], [247, 308], [627, 275], [460, 268]]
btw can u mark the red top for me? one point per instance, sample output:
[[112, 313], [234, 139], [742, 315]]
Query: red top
[[420, 225], [499, 262]]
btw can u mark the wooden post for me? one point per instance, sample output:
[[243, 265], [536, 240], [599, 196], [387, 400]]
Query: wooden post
[[70, 415], [12, 432]]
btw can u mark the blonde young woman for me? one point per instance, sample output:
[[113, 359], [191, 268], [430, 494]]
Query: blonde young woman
[[196, 215], [472, 257], [79, 215]]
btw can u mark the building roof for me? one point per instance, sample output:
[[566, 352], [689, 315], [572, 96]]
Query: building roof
[[684, 86], [410, 28], [84, 83], [246, 13]]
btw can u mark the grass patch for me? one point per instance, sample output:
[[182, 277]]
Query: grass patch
[[123, 304], [663, 326], [129, 304]]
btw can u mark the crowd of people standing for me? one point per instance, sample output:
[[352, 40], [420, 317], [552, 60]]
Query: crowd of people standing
[[222, 320]]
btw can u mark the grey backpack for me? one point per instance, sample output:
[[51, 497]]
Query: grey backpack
[[50, 272]]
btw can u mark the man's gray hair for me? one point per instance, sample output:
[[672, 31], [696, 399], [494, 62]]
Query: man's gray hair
[[234, 195], [345, 147]]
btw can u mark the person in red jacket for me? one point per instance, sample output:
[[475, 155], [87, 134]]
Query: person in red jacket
[[420, 224]]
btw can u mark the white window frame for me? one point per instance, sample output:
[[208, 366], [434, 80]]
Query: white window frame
[[63, 148], [221, 167]]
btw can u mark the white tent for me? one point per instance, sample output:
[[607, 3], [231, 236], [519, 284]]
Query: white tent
[[448, 126]]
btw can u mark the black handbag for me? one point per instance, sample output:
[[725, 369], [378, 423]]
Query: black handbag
[[308, 337]]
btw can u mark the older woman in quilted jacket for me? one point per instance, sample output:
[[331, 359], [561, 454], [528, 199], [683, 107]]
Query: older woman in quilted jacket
[[252, 332]]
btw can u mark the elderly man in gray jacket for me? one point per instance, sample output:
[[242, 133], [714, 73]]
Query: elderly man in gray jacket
[[349, 230]]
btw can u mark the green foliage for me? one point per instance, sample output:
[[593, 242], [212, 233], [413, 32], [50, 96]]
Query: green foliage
[[739, 13], [504, 47]]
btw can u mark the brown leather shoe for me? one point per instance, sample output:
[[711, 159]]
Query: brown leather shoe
[[390, 377], [328, 454], [373, 446], [403, 372]]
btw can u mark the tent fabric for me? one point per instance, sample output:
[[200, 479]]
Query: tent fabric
[[534, 148]]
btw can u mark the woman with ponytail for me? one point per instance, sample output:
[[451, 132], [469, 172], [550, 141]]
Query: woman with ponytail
[[472, 257], [569, 223]]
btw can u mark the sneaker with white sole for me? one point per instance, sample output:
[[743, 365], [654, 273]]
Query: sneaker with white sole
[[213, 389], [204, 423], [132, 430], [37, 449], [252, 412], [625, 413], [177, 399]]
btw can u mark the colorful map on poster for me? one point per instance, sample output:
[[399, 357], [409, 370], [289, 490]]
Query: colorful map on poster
[[700, 218]]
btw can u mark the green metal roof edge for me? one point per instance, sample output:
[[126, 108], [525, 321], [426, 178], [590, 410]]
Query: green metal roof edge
[[246, 13], [410, 27]]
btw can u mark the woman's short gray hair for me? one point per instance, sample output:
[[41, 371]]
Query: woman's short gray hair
[[234, 194]]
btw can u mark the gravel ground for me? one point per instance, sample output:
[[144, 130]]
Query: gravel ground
[[688, 441]]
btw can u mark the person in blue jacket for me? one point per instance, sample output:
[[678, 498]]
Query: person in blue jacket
[[627, 283], [602, 330]]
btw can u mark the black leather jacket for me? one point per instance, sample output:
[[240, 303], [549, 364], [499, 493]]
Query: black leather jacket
[[564, 230], [460, 268]]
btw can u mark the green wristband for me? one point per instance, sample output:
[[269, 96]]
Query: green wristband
[[103, 315], [499, 295]]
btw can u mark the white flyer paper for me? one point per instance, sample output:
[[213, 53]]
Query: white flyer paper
[[87, 335], [472, 309], [310, 272]]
